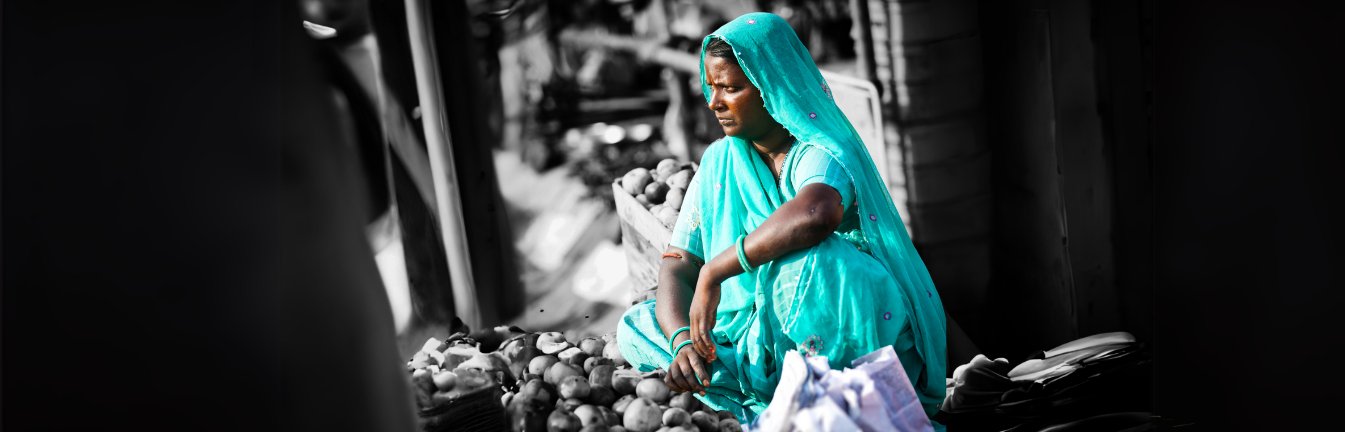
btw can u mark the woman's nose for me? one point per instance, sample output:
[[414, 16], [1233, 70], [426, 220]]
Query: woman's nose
[[716, 101]]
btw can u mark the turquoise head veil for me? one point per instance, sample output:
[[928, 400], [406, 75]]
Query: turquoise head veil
[[796, 96]]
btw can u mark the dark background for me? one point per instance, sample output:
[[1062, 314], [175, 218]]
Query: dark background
[[168, 238]]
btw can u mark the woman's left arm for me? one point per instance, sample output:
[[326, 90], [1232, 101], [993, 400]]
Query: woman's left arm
[[799, 223]]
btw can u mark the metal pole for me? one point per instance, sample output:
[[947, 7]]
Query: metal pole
[[448, 201]]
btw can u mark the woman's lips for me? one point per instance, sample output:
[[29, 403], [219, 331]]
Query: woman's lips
[[725, 121]]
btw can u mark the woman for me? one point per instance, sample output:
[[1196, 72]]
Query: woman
[[787, 240]]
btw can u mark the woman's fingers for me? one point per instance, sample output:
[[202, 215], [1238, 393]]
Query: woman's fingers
[[698, 337], [689, 377], [703, 343], [670, 381], [681, 373], [701, 373], [674, 379], [704, 347]]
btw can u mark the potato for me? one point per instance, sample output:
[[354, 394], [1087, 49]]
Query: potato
[[664, 169], [613, 351], [686, 401], [730, 425], [682, 179], [589, 415], [574, 387], [539, 391], [704, 421], [723, 415], [676, 417], [559, 371], [667, 216], [624, 381], [601, 375], [643, 415], [592, 346], [445, 380], [602, 396], [593, 362], [562, 420], [573, 355], [621, 404], [540, 364], [552, 343], [642, 200], [674, 198], [518, 370], [653, 389], [635, 181], [569, 403], [551, 337], [655, 192], [610, 416], [520, 350]]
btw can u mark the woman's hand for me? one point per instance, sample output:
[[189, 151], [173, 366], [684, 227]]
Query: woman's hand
[[688, 372], [704, 305]]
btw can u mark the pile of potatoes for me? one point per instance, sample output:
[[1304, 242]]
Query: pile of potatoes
[[553, 384], [661, 189]]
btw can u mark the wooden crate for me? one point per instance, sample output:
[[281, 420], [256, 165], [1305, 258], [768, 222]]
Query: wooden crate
[[644, 239]]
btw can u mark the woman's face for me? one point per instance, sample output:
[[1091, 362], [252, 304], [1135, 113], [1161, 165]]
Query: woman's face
[[735, 101]]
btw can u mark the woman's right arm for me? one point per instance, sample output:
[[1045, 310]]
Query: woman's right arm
[[676, 285]]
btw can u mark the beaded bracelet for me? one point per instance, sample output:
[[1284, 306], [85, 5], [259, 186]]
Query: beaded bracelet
[[674, 337], [742, 254]]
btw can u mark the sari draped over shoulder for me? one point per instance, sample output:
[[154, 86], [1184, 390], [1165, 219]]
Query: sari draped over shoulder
[[858, 290]]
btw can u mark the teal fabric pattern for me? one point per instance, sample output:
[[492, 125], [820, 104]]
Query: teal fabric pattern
[[860, 289], [816, 166]]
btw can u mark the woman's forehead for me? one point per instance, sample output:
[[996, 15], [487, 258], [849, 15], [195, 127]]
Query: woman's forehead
[[722, 70]]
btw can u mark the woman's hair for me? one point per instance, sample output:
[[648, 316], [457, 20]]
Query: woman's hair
[[718, 48]]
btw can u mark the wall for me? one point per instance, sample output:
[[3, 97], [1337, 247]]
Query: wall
[[927, 64]]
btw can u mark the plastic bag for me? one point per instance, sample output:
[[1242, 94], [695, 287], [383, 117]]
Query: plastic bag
[[874, 394]]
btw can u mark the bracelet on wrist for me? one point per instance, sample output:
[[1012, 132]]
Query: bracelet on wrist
[[673, 337], [742, 254], [679, 347]]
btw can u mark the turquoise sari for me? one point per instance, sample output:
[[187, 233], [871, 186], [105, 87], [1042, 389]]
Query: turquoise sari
[[858, 290]]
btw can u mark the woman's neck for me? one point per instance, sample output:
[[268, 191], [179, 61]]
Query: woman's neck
[[773, 143]]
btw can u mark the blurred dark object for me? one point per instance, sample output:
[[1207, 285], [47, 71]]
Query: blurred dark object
[[823, 26], [1090, 377], [602, 152]]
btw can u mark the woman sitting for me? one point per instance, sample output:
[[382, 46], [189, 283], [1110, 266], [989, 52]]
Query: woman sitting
[[787, 240]]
